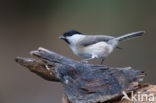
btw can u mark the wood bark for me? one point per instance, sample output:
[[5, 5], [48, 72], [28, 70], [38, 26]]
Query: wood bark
[[85, 83]]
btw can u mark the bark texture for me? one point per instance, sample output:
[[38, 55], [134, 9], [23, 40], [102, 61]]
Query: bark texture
[[84, 83]]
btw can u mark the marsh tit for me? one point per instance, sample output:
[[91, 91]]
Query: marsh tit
[[94, 46]]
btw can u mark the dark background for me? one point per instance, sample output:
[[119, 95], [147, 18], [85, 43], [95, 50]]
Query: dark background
[[26, 25]]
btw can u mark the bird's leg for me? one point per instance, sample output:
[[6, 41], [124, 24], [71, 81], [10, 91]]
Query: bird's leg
[[102, 60]]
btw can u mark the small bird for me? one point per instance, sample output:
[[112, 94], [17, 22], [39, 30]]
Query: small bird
[[94, 46]]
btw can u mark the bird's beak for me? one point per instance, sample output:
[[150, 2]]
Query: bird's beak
[[61, 37]]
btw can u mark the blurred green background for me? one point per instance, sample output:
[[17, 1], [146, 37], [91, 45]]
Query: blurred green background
[[26, 25]]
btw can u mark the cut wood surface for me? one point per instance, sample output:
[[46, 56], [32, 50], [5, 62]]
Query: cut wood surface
[[85, 83]]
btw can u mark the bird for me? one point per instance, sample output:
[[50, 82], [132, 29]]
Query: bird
[[91, 47]]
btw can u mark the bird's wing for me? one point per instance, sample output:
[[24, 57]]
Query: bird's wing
[[92, 39]]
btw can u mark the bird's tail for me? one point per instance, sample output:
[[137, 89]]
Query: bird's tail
[[130, 35]]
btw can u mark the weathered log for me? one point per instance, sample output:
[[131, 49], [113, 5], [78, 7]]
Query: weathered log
[[83, 83]]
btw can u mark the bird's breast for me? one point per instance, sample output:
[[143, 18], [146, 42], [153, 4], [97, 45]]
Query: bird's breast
[[81, 52], [100, 49]]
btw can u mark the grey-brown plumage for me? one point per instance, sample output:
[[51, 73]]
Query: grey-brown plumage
[[92, 39]]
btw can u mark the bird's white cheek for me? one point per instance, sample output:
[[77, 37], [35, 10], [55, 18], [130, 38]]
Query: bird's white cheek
[[75, 39]]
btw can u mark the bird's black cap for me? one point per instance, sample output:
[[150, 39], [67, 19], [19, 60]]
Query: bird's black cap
[[70, 33]]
